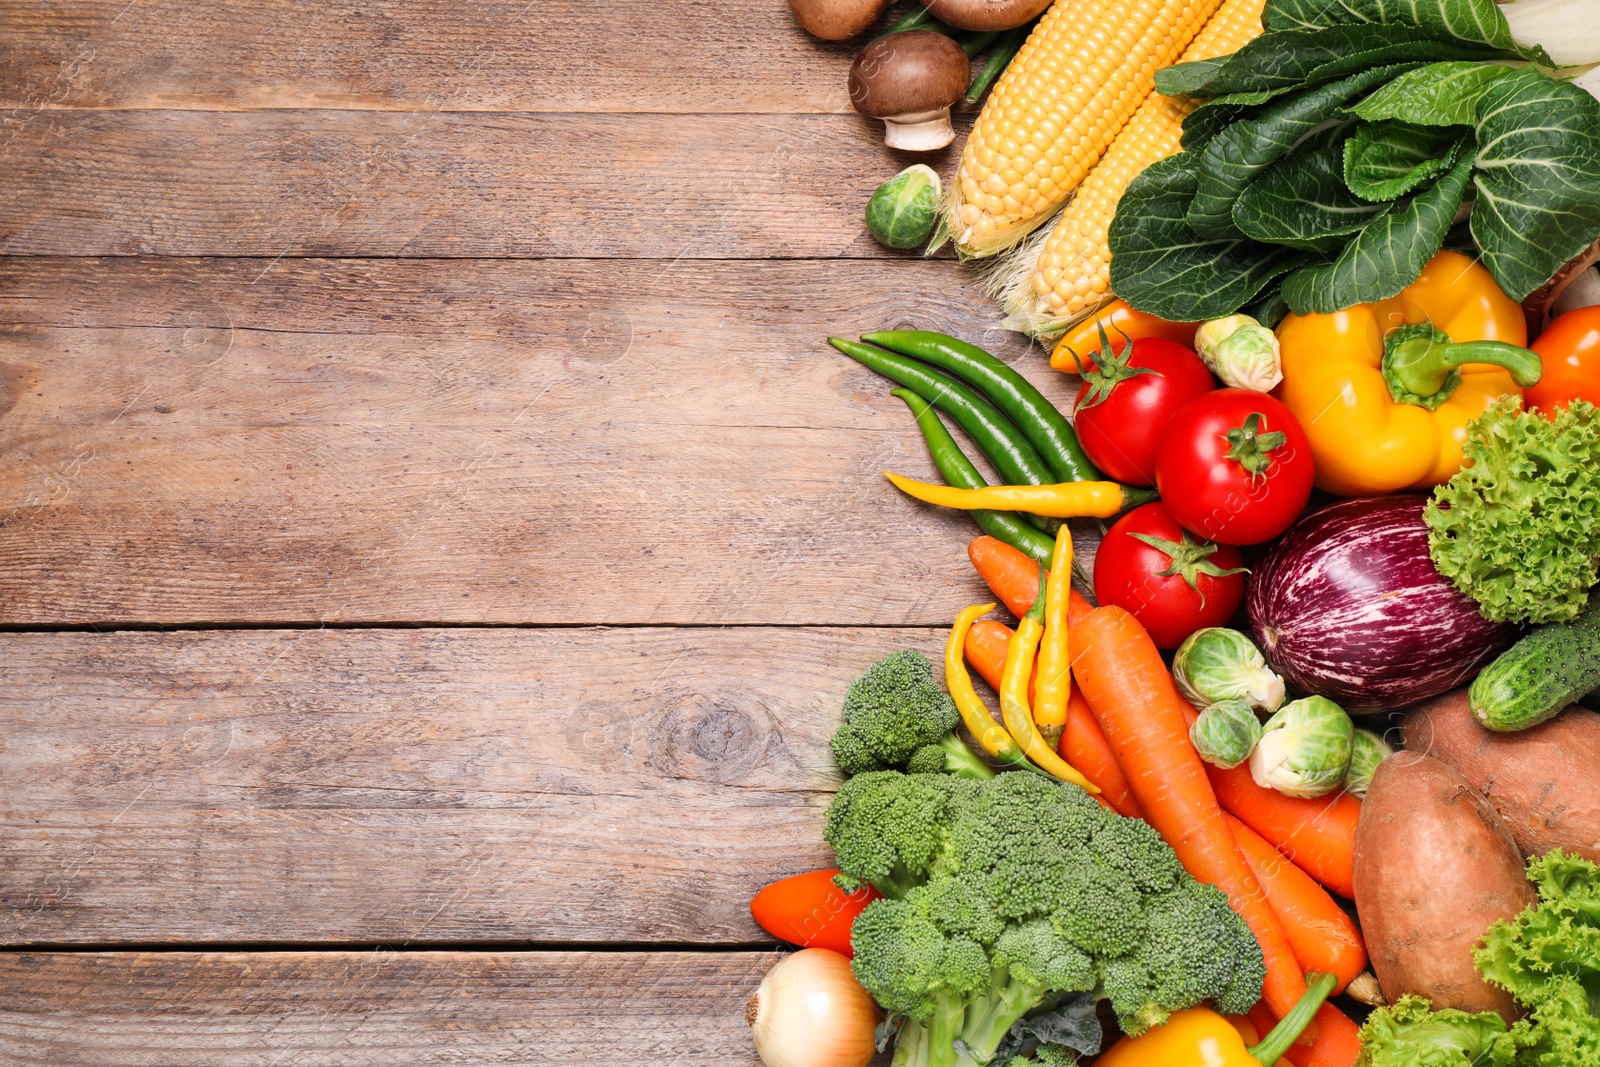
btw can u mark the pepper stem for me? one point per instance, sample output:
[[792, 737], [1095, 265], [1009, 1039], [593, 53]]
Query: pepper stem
[[1036, 613], [1287, 1032], [1423, 366], [1251, 448]]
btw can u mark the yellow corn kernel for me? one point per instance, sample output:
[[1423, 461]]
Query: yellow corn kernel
[[1083, 72], [1072, 274]]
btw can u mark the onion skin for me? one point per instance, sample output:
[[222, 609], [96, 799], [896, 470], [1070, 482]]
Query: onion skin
[[810, 1011], [1348, 605]]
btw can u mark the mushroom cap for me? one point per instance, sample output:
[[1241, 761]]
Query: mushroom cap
[[837, 20], [909, 72], [985, 14]]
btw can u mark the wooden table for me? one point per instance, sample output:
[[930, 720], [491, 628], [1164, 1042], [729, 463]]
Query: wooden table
[[434, 536]]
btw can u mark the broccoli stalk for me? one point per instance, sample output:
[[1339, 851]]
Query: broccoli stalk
[[897, 718]]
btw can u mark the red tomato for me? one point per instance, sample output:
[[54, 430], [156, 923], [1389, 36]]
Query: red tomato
[[1173, 584], [1571, 351], [1124, 403], [1235, 467], [810, 911]]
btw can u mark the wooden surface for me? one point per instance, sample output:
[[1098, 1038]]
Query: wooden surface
[[435, 536]]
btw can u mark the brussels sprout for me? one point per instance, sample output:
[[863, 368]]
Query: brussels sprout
[[903, 210], [1225, 733], [1304, 749], [1241, 352], [1220, 664], [1367, 750]]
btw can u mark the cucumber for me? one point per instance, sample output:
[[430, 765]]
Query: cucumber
[[1539, 676]]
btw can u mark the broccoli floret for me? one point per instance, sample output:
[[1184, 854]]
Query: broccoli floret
[[949, 755], [1009, 894], [892, 711]]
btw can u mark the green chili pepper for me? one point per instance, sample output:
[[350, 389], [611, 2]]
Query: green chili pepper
[[915, 19], [1016, 460], [1000, 56], [973, 43], [1045, 428], [957, 470]]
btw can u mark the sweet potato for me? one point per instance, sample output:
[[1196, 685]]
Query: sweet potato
[[1542, 780], [1435, 866]]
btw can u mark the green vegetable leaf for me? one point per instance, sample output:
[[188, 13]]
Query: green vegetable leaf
[[1518, 530], [1187, 79], [1160, 266], [1440, 94], [1302, 201], [1239, 154], [1290, 60], [1538, 178], [1474, 21], [1387, 255], [1409, 1033], [1210, 119], [1386, 160]]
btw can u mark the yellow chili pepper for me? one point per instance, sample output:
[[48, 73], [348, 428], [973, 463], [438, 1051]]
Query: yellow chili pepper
[[1385, 390], [1200, 1037], [1014, 696], [1067, 500], [1052, 686], [988, 733]]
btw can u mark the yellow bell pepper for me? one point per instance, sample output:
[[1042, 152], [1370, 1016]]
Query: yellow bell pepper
[[1384, 399], [1199, 1037]]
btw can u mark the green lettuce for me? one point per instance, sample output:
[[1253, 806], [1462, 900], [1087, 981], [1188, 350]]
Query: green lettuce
[[1518, 529]]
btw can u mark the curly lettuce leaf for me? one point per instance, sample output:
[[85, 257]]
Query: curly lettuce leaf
[[1409, 1033], [1518, 529]]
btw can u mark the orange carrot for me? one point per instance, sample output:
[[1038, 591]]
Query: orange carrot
[[1322, 936], [1085, 747], [1337, 1042], [1014, 578], [1122, 676], [1318, 836]]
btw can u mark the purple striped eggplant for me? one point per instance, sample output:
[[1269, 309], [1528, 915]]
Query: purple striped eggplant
[[1347, 605]]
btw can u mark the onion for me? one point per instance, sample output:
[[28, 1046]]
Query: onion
[[1348, 605], [810, 1011]]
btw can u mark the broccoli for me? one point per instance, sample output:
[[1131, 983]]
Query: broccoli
[[1008, 894], [896, 717]]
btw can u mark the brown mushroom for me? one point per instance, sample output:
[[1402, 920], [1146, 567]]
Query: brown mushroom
[[909, 80], [837, 20], [985, 14]]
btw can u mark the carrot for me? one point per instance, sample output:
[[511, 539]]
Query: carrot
[[1337, 1042], [1122, 676], [1085, 747], [1322, 936], [1318, 836], [1014, 578]]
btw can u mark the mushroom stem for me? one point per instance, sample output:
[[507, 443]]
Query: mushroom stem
[[920, 131]]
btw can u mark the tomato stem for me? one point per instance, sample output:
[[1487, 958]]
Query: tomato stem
[[1251, 448], [1110, 370], [1189, 560]]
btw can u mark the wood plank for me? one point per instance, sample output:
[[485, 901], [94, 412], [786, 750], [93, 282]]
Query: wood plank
[[415, 786], [376, 1009], [227, 441], [431, 55], [442, 183]]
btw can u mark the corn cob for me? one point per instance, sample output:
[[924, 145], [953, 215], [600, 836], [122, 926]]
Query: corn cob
[[1084, 70], [1071, 275]]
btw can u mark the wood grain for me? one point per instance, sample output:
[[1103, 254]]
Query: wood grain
[[377, 1009], [415, 786], [452, 55], [442, 183], [230, 441]]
